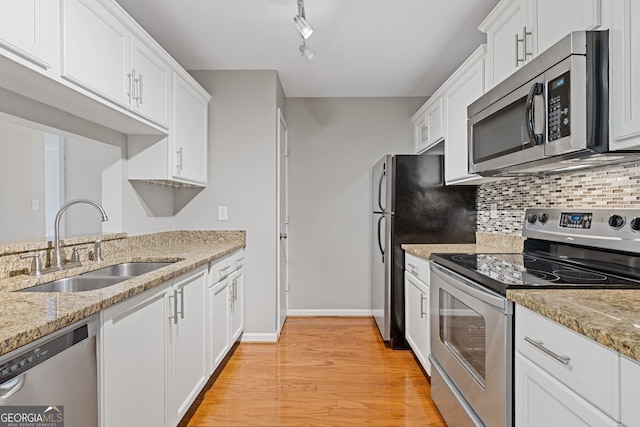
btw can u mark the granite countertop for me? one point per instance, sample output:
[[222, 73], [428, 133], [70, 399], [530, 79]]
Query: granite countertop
[[27, 316], [608, 316]]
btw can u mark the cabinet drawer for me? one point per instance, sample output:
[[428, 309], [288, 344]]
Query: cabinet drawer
[[219, 269], [417, 266], [236, 260], [592, 370]]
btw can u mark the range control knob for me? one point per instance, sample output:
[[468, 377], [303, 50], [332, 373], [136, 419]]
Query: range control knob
[[532, 218], [616, 221], [635, 224], [543, 217]]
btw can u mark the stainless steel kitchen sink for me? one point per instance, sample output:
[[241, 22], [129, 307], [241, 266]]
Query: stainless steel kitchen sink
[[98, 279], [126, 269], [77, 284]]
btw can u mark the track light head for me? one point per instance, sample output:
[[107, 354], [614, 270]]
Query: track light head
[[306, 51], [304, 29]]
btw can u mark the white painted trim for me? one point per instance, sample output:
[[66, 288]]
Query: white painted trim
[[329, 313], [259, 337]]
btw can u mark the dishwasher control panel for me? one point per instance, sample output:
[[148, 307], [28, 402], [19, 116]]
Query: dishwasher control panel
[[42, 353]]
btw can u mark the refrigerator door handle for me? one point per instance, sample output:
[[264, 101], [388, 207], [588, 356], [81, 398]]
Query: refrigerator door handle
[[380, 191], [379, 235]]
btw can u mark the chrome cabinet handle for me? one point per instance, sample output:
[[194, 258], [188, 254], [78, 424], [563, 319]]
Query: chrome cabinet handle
[[522, 40], [132, 77], [175, 306], [181, 293], [283, 235], [540, 346], [179, 165], [139, 84], [422, 300]]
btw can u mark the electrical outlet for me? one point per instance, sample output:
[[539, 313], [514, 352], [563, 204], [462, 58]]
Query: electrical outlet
[[494, 210], [35, 205], [222, 213]]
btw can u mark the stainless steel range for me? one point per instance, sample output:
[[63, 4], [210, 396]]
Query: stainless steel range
[[472, 321]]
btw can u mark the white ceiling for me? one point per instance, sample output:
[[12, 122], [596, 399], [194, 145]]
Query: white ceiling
[[362, 48]]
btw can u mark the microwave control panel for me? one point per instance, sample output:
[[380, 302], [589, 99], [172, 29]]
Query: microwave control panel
[[558, 107]]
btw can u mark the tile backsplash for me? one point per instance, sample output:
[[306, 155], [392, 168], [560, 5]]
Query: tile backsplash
[[613, 186]]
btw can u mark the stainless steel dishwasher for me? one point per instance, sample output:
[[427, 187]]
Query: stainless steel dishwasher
[[58, 370]]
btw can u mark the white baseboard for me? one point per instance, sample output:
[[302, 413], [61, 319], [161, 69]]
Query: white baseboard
[[359, 313], [259, 337]]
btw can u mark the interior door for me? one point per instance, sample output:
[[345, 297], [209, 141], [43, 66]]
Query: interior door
[[283, 221]]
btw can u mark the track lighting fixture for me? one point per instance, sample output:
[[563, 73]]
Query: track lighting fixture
[[304, 29], [306, 51]]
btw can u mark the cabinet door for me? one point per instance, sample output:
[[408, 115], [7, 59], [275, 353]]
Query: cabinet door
[[25, 28], [508, 21], [541, 400], [465, 88], [189, 341], [630, 390], [435, 125], [416, 304], [133, 341], [219, 324], [552, 20], [95, 50], [420, 129], [236, 280], [151, 84], [625, 74], [188, 133]]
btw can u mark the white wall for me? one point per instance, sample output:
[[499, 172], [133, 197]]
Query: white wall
[[242, 176], [333, 143], [22, 171]]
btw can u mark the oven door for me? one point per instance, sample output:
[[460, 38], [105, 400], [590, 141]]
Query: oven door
[[510, 131], [471, 344]]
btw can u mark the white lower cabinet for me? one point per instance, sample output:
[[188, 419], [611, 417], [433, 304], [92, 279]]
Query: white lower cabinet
[[629, 392], [133, 346], [153, 353], [226, 312], [562, 377], [188, 341], [416, 306]]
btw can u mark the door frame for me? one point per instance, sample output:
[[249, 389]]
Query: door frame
[[282, 143]]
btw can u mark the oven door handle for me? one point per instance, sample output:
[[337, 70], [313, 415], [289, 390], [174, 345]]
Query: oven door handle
[[471, 288]]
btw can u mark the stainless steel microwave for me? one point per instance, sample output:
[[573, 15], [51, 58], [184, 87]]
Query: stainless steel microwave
[[552, 115]]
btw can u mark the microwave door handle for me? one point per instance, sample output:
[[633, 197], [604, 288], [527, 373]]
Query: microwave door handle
[[535, 138]]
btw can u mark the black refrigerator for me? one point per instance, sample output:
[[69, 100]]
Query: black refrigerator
[[411, 205]]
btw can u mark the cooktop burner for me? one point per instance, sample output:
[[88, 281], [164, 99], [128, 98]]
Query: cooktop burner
[[502, 271]]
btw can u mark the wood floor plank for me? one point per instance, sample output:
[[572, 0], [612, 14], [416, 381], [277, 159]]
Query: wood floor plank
[[325, 371]]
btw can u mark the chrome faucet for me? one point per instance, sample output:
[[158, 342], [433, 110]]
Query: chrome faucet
[[56, 261]]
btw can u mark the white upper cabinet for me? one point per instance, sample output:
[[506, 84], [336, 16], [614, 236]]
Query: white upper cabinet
[[518, 30], [463, 87], [95, 50], [551, 20], [506, 37], [25, 29], [150, 82], [103, 56], [428, 123], [625, 74], [189, 132]]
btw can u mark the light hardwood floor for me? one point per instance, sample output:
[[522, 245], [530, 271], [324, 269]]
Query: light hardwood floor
[[324, 371]]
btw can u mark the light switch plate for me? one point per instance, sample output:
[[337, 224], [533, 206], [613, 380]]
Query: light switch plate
[[222, 213]]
